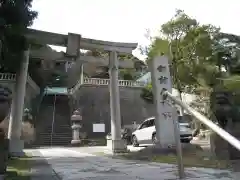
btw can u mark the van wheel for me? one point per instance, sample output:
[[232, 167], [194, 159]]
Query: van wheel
[[154, 138], [135, 141]]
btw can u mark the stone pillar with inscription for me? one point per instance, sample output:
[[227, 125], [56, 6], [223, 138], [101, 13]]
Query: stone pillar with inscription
[[161, 80]]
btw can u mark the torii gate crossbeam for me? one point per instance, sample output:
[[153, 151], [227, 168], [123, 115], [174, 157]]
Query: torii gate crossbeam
[[43, 37]]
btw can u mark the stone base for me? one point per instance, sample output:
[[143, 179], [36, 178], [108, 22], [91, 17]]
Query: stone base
[[117, 146], [234, 154], [76, 142], [166, 136], [3, 156], [16, 147], [109, 143], [2, 177], [219, 147]]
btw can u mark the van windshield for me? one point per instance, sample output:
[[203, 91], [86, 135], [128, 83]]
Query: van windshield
[[182, 120]]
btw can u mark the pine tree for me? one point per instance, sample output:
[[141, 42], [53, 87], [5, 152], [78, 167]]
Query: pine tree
[[15, 17]]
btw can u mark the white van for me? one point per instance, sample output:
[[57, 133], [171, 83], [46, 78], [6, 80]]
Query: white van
[[146, 133]]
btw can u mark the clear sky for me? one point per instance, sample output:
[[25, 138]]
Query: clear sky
[[127, 20]]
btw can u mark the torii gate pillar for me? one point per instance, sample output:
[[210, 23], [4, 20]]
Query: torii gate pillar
[[16, 145], [118, 144]]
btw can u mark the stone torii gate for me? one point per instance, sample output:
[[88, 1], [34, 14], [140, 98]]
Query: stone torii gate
[[73, 44]]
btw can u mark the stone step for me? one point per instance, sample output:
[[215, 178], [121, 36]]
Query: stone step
[[48, 137], [59, 130], [57, 127], [63, 140], [55, 130], [54, 138], [55, 133], [52, 144], [58, 137], [49, 142]]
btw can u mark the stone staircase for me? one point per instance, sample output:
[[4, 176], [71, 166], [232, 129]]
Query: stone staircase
[[60, 137], [58, 133]]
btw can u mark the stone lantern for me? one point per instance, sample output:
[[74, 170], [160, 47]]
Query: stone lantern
[[27, 116], [76, 126]]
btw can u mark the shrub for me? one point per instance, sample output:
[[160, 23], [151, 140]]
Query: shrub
[[28, 130], [147, 93]]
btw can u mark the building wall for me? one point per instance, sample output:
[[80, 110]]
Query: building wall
[[94, 104], [146, 78]]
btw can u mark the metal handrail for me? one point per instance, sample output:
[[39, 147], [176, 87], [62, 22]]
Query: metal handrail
[[221, 132]]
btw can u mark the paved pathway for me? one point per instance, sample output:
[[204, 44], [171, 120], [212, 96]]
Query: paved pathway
[[70, 164], [41, 170]]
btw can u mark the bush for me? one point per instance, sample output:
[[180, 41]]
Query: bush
[[147, 93], [126, 74], [28, 131]]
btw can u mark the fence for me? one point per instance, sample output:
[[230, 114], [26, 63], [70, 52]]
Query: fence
[[9, 77], [106, 82]]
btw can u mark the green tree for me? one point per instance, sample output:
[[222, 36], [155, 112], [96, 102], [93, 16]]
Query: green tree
[[190, 48], [15, 17], [226, 55], [147, 93], [190, 45], [125, 74]]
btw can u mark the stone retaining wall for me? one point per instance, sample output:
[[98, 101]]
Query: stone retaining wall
[[94, 103]]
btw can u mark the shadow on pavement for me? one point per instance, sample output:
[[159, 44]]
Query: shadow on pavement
[[193, 156], [72, 164]]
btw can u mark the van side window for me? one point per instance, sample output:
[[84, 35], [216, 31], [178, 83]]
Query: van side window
[[144, 125], [151, 123]]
